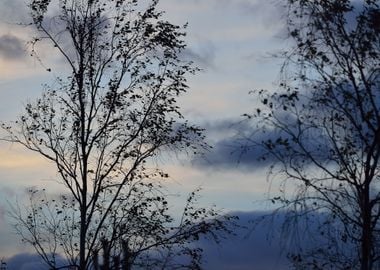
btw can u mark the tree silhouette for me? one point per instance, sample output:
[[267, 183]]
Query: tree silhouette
[[101, 126], [3, 265], [321, 130], [139, 232]]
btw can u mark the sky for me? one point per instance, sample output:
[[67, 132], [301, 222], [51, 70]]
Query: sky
[[232, 41]]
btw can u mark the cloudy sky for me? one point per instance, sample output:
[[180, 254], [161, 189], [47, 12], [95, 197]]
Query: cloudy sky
[[232, 41]]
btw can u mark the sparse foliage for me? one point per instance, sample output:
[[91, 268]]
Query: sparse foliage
[[322, 131], [140, 232]]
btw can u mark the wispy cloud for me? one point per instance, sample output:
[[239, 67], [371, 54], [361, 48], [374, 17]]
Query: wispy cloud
[[203, 55], [230, 148]]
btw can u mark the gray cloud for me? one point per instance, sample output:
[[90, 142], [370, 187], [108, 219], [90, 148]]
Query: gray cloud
[[203, 55], [25, 261], [13, 11], [11, 47], [239, 144], [259, 10], [268, 239], [230, 147], [230, 154], [29, 261], [257, 248]]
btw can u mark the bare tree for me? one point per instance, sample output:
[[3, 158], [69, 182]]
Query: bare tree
[[321, 130], [102, 124]]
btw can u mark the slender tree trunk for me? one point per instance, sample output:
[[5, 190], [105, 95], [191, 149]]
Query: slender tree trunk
[[95, 259], [82, 237], [366, 241], [83, 153], [116, 262], [83, 142], [106, 255], [126, 265]]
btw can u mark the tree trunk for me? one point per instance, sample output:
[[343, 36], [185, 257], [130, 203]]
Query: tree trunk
[[366, 241], [82, 238], [126, 265]]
